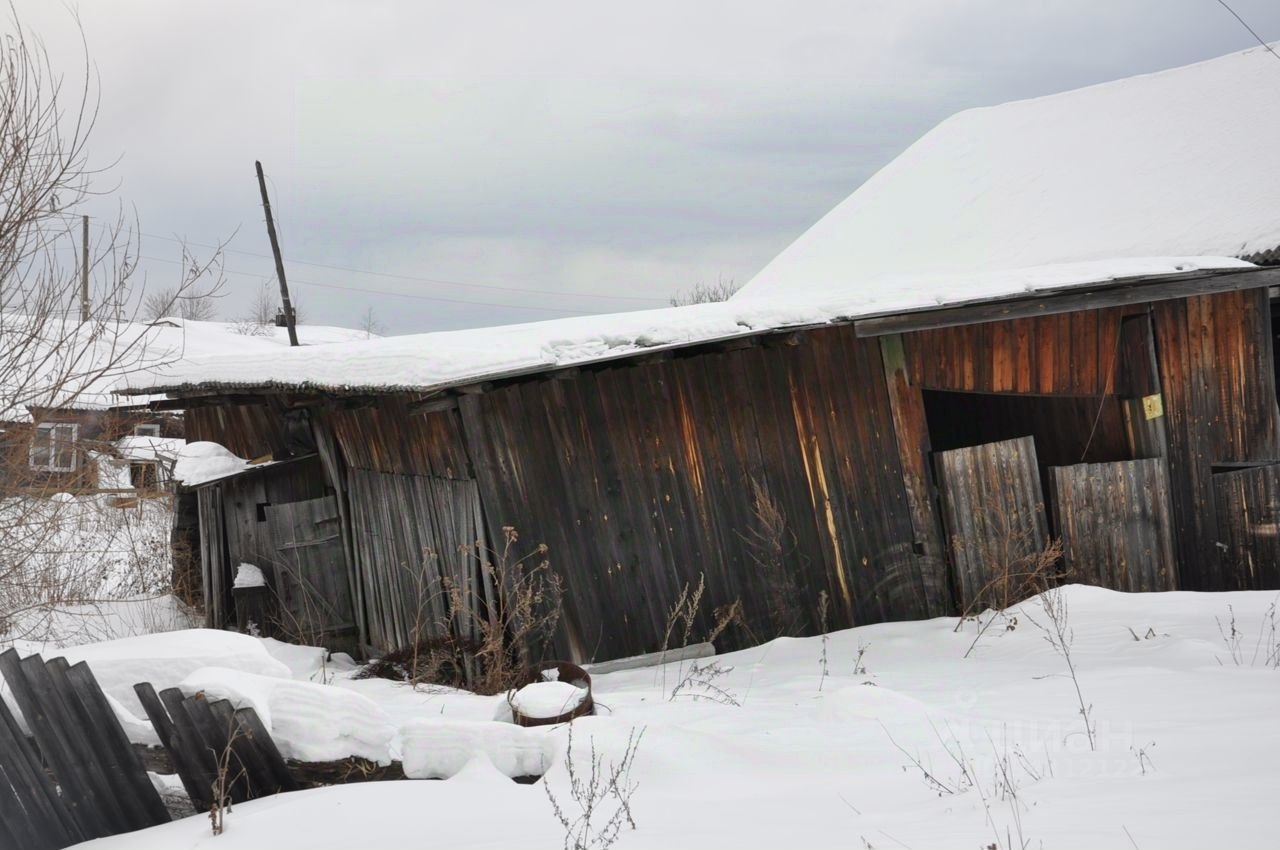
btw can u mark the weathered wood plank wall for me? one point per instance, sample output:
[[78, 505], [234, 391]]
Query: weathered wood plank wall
[[1065, 354], [410, 534], [643, 474], [1114, 522], [386, 437], [640, 477], [994, 517], [1249, 525], [1215, 360], [248, 430], [234, 527]]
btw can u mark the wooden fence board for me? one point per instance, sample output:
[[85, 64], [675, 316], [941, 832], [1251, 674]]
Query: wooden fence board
[[101, 786], [33, 813], [1115, 524], [171, 738], [202, 735], [993, 513]]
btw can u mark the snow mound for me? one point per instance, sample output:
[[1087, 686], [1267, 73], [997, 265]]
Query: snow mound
[[439, 748], [247, 575], [166, 659], [309, 722], [547, 699], [205, 461]]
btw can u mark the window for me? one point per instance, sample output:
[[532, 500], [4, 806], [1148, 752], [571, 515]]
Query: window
[[53, 447], [142, 475], [151, 429]]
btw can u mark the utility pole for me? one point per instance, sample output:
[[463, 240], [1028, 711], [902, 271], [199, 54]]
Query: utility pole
[[275, 249], [84, 270]]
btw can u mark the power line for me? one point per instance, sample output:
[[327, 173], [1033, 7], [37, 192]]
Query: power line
[[415, 295], [1252, 31], [392, 276]]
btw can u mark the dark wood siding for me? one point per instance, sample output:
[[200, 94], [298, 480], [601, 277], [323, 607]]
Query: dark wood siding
[[1249, 523], [1066, 354], [642, 477], [248, 430], [238, 506], [993, 513], [1214, 354], [1114, 522], [385, 437]]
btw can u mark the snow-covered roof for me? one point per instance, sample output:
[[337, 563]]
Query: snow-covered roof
[[1154, 175], [79, 366], [1183, 162]]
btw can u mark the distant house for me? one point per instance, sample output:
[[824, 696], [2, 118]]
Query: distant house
[[1048, 319], [70, 432]]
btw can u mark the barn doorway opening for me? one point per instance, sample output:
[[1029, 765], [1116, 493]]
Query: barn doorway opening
[[1066, 430]]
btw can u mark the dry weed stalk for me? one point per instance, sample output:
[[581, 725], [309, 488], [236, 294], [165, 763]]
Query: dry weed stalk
[[224, 779], [1059, 634], [601, 797], [459, 638], [1267, 645], [699, 680], [823, 603], [1005, 782], [1019, 574], [770, 543]]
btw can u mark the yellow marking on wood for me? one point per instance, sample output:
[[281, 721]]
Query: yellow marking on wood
[[689, 434]]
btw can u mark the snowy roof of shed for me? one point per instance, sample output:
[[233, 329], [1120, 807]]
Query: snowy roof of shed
[[74, 366], [1161, 174]]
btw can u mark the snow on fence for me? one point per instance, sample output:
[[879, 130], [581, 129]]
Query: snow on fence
[[101, 785], [216, 746]]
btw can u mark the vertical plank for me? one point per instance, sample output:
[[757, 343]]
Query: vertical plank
[[1115, 524], [993, 513]]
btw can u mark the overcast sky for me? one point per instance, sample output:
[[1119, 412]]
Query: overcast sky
[[544, 159]]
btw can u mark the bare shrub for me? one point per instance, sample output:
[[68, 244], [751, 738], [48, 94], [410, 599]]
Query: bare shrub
[[223, 780], [599, 804], [770, 543], [487, 638], [57, 349], [1266, 648], [371, 324], [705, 293], [1020, 570], [997, 779], [167, 302], [698, 680], [260, 319]]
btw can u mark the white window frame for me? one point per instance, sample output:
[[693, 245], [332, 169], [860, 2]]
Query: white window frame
[[150, 429], [55, 439]]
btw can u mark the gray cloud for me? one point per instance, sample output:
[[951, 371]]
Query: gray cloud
[[564, 147]]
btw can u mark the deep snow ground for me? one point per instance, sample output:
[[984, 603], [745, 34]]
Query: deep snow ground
[[1187, 748]]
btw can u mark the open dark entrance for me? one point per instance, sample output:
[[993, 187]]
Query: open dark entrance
[[1066, 429], [1090, 468]]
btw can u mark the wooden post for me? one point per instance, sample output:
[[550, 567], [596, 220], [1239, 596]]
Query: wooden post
[[84, 269], [911, 431], [275, 250]]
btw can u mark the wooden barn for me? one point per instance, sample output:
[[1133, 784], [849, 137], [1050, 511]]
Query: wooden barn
[[971, 356]]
